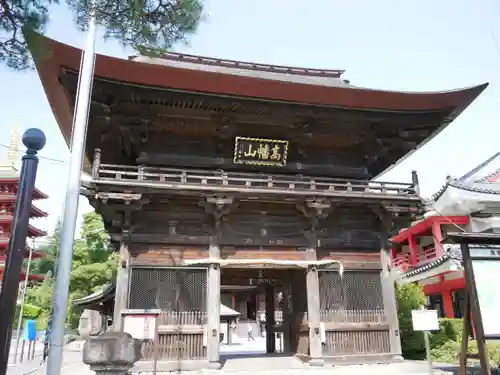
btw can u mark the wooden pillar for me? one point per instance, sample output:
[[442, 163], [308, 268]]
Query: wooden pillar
[[314, 317], [314, 210], [437, 234], [390, 306], [412, 244], [448, 304], [216, 207], [213, 304], [313, 303], [122, 281], [270, 321], [287, 312]]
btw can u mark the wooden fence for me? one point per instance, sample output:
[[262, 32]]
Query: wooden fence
[[180, 336], [355, 332]]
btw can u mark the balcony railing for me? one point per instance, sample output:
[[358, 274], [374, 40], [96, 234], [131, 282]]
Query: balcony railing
[[403, 261], [225, 182], [426, 256]]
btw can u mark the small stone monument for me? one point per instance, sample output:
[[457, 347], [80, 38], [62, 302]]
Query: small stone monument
[[112, 353], [91, 323]]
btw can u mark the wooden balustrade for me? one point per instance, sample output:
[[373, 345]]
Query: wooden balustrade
[[170, 178], [426, 256], [403, 261], [180, 337], [352, 332]]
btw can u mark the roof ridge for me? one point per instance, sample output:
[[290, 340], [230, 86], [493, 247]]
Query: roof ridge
[[478, 168], [228, 63]]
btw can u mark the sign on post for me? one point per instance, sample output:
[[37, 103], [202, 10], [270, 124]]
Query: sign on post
[[425, 320], [140, 327]]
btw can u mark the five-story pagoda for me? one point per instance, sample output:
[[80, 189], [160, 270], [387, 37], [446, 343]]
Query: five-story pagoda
[[216, 174]]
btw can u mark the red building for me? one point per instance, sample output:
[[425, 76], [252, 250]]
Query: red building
[[418, 256], [417, 253], [9, 183]]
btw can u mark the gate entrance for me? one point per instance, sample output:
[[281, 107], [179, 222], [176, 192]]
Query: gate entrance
[[272, 306]]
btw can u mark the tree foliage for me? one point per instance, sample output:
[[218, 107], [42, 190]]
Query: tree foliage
[[410, 297], [94, 265], [148, 26]]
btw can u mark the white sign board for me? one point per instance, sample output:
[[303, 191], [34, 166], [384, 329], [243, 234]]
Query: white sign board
[[140, 327], [425, 320], [488, 293]]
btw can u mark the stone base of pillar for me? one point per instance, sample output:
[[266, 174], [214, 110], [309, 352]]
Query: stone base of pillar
[[214, 366], [316, 362]]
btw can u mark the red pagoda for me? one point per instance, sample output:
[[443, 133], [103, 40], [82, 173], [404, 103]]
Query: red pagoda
[[9, 182]]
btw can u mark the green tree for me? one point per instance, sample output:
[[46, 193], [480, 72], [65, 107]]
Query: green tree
[[94, 265], [410, 297], [148, 26]]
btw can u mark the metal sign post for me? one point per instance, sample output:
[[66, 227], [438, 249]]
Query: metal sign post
[[426, 321]]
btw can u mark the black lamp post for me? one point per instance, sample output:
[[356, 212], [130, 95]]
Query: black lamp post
[[34, 140]]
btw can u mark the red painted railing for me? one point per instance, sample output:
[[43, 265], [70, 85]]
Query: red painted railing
[[426, 256], [402, 261]]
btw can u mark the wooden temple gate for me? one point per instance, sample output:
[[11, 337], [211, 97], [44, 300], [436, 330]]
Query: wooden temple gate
[[352, 312]]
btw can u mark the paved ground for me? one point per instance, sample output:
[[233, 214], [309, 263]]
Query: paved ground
[[245, 358]]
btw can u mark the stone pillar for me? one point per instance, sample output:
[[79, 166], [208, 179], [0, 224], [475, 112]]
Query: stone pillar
[[390, 306], [122, 281], [213, 305], [112, 353]]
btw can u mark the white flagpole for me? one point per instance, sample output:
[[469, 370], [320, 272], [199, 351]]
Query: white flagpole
[[80, 120]]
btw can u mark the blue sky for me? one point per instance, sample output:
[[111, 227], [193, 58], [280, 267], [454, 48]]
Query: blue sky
[[424, 45]]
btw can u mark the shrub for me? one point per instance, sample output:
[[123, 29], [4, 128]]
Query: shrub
[[410, 297], [449, 330], [449, 352]]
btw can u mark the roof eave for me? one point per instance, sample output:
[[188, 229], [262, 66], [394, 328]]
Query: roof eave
[[50, 55], [453, 115]]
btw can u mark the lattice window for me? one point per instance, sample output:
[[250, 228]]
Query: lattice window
[[169, 289], [356, 290]]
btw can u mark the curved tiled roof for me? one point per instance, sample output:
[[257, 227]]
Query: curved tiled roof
[[482, 179], [51, 56]]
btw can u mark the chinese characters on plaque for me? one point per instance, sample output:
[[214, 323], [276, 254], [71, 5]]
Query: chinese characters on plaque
[[260, 151]]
